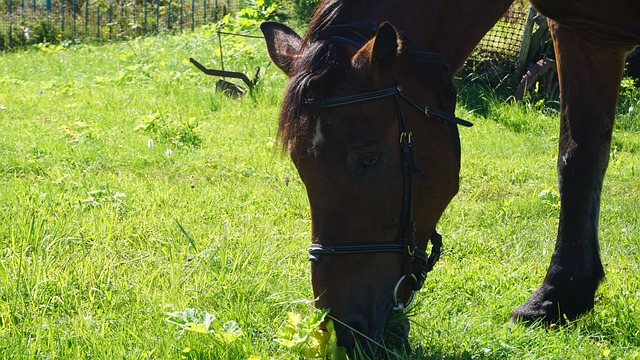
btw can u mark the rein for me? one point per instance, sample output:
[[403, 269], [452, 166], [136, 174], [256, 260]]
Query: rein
[[405, 241]]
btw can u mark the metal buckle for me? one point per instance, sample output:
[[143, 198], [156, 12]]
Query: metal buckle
[[397, 304], [408, 136], [410, 251]]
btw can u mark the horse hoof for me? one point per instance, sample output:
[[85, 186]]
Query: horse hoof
[[541, 307], [546, 306], [532, 312]]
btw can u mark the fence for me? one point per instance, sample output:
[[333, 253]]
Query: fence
[[25, 22], [497, 59], [504, 39]]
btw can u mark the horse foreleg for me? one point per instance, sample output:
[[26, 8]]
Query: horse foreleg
[[589, 77]]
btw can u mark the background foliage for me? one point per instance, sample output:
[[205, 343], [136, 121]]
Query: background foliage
[[32, 22]]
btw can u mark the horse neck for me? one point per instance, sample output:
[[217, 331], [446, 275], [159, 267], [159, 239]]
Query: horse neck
[[449, 27]]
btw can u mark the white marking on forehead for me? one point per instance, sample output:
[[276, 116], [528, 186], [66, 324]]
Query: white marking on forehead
[[318, 137]]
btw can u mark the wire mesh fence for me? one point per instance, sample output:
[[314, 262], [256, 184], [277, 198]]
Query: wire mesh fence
[[503, 41], [24, 22], [496, 59]]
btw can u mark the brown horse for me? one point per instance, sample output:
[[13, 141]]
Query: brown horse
[[368, 121]]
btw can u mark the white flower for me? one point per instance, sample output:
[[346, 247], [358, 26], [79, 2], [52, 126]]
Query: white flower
[[150, 143], [168, 152]]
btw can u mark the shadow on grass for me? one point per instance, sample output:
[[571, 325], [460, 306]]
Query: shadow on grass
[[482, 86]]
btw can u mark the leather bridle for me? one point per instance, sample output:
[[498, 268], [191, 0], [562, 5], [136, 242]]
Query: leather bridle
[[405, 241]]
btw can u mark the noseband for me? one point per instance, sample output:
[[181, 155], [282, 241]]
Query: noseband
[[405, 241]]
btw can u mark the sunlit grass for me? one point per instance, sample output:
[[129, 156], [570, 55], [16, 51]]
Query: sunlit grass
[[103, 232]]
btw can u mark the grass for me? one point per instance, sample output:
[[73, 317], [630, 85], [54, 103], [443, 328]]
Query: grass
[[104, 232]]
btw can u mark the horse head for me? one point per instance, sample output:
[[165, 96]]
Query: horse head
[[367, 119]]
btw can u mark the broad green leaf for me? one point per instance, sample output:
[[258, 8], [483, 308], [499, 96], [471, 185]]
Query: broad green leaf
[[229, 333], [198, 328]]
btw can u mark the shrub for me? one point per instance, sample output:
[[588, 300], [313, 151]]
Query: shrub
[[304, 8]]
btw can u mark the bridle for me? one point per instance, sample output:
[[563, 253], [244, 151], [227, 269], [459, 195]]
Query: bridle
[[405, 240]]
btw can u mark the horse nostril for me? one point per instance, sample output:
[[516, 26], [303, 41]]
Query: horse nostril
[[358, 327], [350, 332]]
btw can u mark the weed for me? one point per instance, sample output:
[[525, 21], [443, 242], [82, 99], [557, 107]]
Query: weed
[[177, 133]]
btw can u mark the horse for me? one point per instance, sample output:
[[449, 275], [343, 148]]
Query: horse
[[368, 120]]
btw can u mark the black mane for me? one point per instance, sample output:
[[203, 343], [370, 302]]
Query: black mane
[[317, 68]]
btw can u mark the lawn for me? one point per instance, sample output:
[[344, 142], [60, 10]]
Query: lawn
[[145, 215]]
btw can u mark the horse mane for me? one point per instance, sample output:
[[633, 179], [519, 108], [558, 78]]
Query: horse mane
[[317, 68], [329, 12]]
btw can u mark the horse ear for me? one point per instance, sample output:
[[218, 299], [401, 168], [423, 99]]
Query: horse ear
[[385, 48], [283, 45], [380, 53]]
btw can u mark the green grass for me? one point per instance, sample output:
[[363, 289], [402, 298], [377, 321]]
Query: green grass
[[101, 235]]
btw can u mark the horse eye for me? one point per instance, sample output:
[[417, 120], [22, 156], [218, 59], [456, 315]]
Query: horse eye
[[370, 160], [366, 163]]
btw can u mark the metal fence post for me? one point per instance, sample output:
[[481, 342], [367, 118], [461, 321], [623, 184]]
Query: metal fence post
[[181, 19], [157, 15], [110, 23], [121, 20], [10, 23], [62, 16], [75, 16], [86, 18], [169, 15], [193, 14], [144, 16]]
